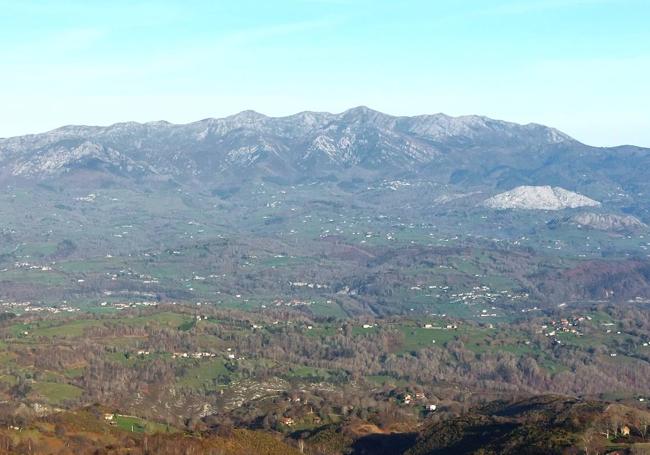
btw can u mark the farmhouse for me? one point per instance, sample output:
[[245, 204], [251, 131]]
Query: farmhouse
[[288, 421]]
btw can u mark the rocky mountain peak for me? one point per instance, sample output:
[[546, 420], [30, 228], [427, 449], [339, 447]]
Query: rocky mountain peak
[[543, 197]]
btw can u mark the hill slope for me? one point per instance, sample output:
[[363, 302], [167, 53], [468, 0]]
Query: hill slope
[[538, 425]]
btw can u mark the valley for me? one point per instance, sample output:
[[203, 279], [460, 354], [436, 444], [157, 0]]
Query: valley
[[324, 283]]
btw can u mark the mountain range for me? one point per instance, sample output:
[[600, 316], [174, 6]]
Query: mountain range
[[352, 149]]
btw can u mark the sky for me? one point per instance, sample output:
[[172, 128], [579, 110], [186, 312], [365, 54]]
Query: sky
[[582, 66]]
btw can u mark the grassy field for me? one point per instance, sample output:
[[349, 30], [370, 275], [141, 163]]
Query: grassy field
[[56, 393], [138, 425], [203, 374]]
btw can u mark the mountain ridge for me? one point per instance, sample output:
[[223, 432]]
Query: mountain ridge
[[471, 152], [252, 114]]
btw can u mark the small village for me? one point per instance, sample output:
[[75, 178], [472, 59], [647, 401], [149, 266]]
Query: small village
[[32, 307]]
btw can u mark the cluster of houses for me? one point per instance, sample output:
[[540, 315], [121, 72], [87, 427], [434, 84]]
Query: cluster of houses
[[62, 308], [440, 327], [478, 294], [127, 305], [15, 305], [29, 307], [302, 284], [420, 398], [287, 421], [29, 266], [143, 278], [572, 326], [484, 294], [193, 355], [564, 325]]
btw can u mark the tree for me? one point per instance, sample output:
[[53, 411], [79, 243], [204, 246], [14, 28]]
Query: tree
[[592, 445]]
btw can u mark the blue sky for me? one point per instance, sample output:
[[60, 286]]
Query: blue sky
[[580, 65]]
